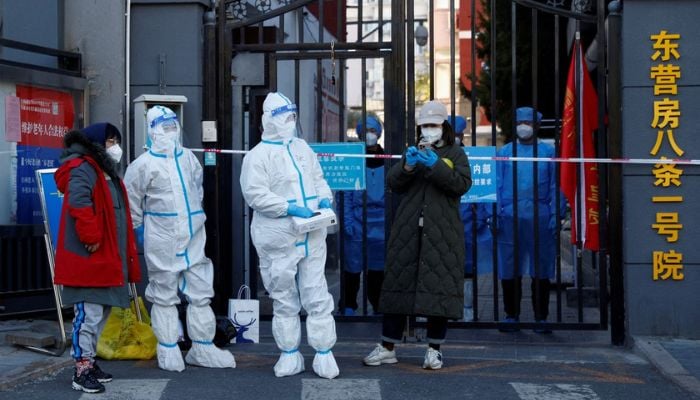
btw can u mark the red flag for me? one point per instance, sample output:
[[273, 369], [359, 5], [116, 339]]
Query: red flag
[[586, 107]]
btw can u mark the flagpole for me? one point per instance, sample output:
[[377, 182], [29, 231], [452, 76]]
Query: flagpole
[[579, 171], [557, 148]]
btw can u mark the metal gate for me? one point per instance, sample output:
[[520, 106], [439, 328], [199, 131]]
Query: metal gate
[[264, 40]]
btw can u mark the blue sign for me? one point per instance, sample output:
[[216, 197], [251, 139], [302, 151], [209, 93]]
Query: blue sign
[[342, 173], [209, 159], [483, 188], [29, 160], [51, 202]]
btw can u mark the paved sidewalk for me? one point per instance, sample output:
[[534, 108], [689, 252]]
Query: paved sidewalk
[[19, 365], [676, 359]]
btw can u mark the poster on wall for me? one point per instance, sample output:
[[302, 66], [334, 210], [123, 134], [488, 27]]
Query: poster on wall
[[45, 115]]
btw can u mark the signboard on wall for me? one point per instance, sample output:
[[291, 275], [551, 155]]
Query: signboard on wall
[[342, 173], [45, 116], [660, 95]]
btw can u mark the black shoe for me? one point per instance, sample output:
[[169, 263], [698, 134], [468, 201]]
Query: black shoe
[[99, 374], [542, 327], [87, 383], [509, 324]]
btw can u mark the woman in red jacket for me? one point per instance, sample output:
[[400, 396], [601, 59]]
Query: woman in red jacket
[[96, 250]]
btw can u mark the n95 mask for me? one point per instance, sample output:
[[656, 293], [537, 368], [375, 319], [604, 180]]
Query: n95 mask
[[431, 135], [524, 132]]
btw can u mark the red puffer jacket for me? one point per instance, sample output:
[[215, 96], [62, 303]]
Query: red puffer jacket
[[91, 225]]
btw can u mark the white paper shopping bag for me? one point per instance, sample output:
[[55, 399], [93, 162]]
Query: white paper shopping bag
[[245, 315]]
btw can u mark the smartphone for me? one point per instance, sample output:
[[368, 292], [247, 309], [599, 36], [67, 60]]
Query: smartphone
[[424, 145]]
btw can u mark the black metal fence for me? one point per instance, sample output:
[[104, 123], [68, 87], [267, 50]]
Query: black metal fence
[[25, 278], [580, 288]]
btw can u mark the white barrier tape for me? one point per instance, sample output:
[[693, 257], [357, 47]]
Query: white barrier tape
[[680, 161]]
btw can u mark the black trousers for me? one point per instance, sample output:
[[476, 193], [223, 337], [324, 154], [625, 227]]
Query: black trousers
[[393, 326], [513, 293], [353, 282]]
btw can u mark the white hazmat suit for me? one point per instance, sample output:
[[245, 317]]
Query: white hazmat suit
[[165, 195], [280, 175]]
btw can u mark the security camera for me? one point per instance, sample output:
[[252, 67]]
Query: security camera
[[421, 35]]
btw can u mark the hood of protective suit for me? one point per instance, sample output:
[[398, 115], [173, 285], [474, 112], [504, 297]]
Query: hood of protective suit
[[527, 114], [163, 129], [458, 123], [372, 123], [279, 118]]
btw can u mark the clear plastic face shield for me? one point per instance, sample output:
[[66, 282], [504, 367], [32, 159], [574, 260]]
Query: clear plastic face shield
[[170, 127], [285, 121], [166, 128]]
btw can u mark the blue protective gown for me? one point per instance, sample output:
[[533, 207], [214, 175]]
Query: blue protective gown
[[483, 238], [546, 200], [375, 224]]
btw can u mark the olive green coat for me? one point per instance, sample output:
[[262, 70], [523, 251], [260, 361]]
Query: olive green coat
[[425, 266]]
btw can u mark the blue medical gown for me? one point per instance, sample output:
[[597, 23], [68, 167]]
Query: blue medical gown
[[483, 237], [546, 201], [375, 224]]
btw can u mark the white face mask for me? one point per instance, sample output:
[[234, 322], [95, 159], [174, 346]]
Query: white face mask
[[524, 132], [431, 135], [284, 125], [288, 129], [115, 153], [371, 139]]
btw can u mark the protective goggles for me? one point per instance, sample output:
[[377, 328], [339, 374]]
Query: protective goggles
[[284, 109], [163, 118]]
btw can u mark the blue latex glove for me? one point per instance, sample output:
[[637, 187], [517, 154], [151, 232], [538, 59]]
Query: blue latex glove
[[412, 156], [138, 232], [427, 157], [301, 212], [324, 203]]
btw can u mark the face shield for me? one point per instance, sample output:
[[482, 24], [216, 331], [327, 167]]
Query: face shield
[[164, 129], [281, 121]]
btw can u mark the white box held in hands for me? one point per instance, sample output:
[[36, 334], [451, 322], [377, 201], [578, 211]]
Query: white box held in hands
[[321, 219]]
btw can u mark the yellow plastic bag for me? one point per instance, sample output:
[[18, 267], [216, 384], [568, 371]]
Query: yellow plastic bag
[[125, 338]]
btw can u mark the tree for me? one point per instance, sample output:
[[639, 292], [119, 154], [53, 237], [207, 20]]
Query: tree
[[503, 62]]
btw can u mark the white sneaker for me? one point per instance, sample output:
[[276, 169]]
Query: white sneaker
[[433, 359], [380, 355]]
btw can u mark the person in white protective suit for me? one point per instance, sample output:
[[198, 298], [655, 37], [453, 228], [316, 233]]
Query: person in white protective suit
[[282, 178], [165, 190]]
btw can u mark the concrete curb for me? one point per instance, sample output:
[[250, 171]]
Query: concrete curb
[[666, 364], [34, 370]]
